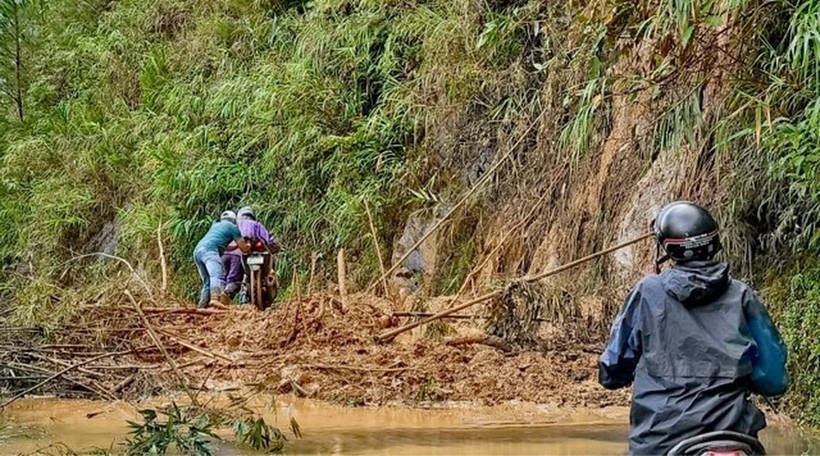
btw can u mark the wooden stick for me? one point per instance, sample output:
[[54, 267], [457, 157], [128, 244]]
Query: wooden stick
[[292, 286], [314, 257], [22, 377], [455, 317], [128, 367], [61, 363], [298, 288], [298, 388], [193, 347], [484, 339], [207, 377], [167, 310], [354, 368], [378, 249], [430, 314], [161, 347], [126, 263], [393, 333], [60, 373], [302, 324], [121, 385], [96, 389], [484, 179], [295, 329], [593, 256], [162, 264], [340, 271], [498, 248]]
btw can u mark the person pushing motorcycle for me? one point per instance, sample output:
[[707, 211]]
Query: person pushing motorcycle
[[232, 264], [693, 342], [207, 257]]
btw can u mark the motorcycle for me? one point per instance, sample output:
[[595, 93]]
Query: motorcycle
[[262, 283], [719, 443]]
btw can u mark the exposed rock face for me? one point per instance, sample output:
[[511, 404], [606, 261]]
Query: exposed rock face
[[640, 157], [419, 268], [106, 240]]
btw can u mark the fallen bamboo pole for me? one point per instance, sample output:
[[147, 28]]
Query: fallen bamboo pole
[[455, 317], [161, 347], [395, 332], [484, 179], [430, 314], [583, 260], [497, 248], [355, 368], [193, 347]]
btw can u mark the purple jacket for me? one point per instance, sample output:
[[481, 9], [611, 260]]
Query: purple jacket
[[250, 228]]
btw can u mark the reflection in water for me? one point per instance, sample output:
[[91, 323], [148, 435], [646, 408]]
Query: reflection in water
[[575, 439], [520, 429]]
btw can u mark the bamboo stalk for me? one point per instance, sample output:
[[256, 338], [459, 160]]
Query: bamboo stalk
[[484, 179], [393, 333], [195, 348], [161, 347], [378, 249], [579, 261], [340, 271], [497, 248], [354, 368], [163, 266], [314, 257], [454, 317]]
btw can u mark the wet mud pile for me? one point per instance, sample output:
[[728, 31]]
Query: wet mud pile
[[316, 348]]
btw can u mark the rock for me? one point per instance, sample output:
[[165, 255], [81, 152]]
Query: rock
[[105, 240], [420, 266]]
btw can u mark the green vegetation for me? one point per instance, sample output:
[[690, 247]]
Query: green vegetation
[[126, 116], [190, 430], [179, 432]]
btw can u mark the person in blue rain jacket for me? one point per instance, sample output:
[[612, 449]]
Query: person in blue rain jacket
[[693, 342]]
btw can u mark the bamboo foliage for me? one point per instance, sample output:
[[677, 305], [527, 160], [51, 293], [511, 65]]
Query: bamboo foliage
[[170, 111]]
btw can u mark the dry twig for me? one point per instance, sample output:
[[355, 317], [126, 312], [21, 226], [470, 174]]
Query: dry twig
[[161, 347]]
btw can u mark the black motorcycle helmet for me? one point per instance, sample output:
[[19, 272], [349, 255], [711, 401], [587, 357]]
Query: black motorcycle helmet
[[686, 232]]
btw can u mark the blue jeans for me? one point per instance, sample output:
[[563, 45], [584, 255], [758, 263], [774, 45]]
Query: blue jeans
[[209, 266]]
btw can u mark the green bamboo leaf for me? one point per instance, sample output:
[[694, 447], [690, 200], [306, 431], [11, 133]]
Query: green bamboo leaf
[[687, 35], [713, 21]]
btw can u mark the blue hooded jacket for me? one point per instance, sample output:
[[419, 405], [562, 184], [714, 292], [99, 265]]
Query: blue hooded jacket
[[695, 343]]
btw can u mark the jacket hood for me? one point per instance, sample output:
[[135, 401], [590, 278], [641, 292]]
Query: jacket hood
[[696, 283]]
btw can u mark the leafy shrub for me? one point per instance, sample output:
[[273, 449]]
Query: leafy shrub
[[182, 431]]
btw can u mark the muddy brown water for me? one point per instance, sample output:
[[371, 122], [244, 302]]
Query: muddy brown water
[[447, 429]]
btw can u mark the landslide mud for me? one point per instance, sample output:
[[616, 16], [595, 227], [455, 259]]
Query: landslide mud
[[317, 349]]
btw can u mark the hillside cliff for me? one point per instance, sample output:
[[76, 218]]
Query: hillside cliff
[[126, 121]]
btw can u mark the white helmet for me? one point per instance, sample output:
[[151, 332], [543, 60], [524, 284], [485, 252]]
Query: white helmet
[[229, 216], [247, 212]]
